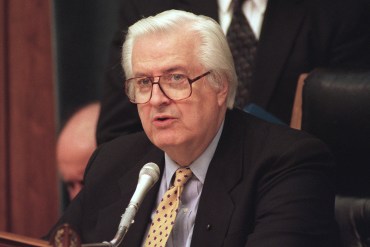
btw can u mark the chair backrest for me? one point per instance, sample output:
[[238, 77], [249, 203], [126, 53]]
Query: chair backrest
[[353, 217], [336, 109], [334, 105]]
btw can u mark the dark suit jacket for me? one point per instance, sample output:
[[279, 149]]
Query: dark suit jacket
[[266, 186], [297, 36]]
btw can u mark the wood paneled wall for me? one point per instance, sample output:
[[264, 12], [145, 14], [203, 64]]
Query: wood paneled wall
[[28, 178], [3, 123]]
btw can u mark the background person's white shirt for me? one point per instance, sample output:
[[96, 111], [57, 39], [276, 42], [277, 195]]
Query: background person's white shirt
[[254, 10]]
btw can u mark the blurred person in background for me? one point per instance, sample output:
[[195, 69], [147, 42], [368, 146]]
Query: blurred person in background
[[76, 143]]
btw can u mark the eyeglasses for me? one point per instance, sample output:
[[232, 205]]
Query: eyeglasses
[[174, 86]]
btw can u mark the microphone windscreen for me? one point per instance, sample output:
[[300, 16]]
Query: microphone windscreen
[[151, 169]]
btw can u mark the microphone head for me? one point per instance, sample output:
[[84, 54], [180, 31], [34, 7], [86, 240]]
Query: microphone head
[[151, 169]]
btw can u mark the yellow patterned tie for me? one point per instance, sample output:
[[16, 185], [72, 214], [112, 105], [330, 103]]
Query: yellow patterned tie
[[166, 212]]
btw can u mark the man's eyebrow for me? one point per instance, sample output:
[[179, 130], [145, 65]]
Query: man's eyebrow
[[174, 69], [140, 75], [167, 71]]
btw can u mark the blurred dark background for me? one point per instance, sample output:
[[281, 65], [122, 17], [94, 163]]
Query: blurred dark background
[[83, 31]]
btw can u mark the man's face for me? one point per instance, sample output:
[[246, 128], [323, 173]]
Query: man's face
[[182, 128]]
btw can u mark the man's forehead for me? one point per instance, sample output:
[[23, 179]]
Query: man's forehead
[[166, 40], [164, 53]]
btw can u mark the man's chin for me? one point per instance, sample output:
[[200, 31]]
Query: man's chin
[[165, 145], [165, 142]]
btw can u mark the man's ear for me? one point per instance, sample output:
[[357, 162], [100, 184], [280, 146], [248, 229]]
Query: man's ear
[[223, 91]]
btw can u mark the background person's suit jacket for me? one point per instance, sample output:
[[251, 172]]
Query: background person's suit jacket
[[297, 36], [266, 186]]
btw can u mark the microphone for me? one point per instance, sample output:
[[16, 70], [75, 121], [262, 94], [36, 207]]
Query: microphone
[[148, 176]]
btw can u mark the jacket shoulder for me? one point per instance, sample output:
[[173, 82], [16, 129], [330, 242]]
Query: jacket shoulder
[[119, 155]]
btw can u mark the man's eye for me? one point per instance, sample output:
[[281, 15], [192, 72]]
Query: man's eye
[[177, 77], [143, 82]]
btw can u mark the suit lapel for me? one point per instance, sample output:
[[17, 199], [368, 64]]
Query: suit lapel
[[110, 215], [281, 25], [137, 230], [216, 206]]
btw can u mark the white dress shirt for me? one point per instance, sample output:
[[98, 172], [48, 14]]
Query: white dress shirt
[[254, 10]]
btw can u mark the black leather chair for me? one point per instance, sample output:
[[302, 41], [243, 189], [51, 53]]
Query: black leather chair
[[353, 217], [336, 109]]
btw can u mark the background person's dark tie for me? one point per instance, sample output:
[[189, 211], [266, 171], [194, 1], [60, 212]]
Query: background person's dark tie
[[243, 45]]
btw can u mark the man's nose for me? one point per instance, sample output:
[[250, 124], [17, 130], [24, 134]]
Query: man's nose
[[158, 96]]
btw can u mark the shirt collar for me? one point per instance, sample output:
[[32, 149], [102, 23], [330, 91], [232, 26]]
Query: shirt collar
[[224, 5], [260, 5]]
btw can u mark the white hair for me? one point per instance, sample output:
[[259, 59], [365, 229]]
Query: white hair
[[214, 52]]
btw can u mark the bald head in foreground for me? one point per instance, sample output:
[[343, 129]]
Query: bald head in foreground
[[252, 183], [76, 143]]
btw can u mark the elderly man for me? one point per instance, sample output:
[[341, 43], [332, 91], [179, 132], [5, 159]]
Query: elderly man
[[244, 182]]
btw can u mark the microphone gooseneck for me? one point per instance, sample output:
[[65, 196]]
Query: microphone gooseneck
[[148, 176]]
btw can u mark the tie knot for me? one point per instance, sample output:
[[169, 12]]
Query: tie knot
[[182, 176], [237, 4]]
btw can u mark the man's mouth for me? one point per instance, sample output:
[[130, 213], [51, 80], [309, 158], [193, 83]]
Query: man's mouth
[[162, 120]]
